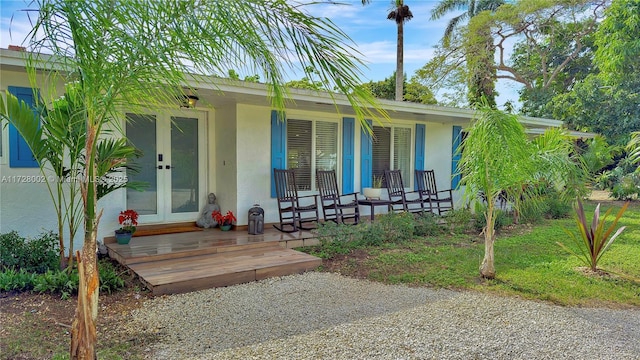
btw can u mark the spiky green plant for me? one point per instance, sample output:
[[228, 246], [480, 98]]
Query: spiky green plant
[[593, 240]]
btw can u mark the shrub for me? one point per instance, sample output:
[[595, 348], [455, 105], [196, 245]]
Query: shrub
[[532, 212], [62, 282], [16, 280], [110, 279], [35, 255], [396, 227], [460, 220], [627, 187], [59, 281], [336, 239], [427, 225], [556, 207], [593, 238], [502, 219]]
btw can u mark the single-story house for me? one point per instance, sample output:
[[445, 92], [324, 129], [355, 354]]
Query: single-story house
[[229, 143]]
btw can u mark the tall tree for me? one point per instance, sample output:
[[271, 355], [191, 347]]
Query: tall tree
[[606, 101], [399, 13], [414, 91], [479, 53], [123, 51]]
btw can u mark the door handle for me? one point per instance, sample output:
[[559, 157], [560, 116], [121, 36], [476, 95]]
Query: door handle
[[159, 167], [167, 166]]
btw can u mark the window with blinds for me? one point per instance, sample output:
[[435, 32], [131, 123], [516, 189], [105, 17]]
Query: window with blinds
[[402, 153], [381, 152], [311, 146], [392, 155]]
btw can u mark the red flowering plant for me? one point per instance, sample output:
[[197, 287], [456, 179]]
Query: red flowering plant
[[128, 219], [227, 219]]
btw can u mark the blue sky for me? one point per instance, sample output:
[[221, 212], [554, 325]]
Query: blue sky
[[374, 35]]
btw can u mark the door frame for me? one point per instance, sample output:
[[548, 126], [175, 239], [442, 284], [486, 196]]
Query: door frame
[[163, 178]]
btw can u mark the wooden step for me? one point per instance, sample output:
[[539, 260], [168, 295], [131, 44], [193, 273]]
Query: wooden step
[[192, 273], [146, 249]]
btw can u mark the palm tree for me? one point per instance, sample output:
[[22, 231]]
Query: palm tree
[[399, 13], [482, 72], [499, 158], [121, 51]]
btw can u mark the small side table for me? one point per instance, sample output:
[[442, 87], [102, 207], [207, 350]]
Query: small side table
[[372, 203]]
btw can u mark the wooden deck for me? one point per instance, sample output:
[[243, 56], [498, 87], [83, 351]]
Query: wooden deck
[[190, 261]]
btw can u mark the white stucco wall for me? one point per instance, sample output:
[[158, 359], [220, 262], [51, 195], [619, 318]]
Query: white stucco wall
[[254, 165], [25, 203], [225, 162]]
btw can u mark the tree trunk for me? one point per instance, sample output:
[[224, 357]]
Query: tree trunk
[[400, 62], [83, 328], [487, 268]]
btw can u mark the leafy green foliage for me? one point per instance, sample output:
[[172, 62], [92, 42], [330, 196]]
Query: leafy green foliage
[[387, 228], [56, 281], [414, 91], [428, 225], [63, 282], [18, 280], [605, 102], [459, 220], [623, 181], [35, 255], [593, 240], [633, 147]]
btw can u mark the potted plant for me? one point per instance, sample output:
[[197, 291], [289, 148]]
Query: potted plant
[[376, 191], [224, 221], [128, 220]]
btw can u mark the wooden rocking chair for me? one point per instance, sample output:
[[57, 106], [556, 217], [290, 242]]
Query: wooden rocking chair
[[398, 197], [442, 199], [293, 214], [336, 207]]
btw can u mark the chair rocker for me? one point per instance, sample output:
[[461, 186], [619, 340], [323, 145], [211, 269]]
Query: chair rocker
[[336, 207], [398, 197], [293, 212], [440, 199]]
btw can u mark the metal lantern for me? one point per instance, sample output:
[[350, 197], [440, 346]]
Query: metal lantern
[[256, 220]]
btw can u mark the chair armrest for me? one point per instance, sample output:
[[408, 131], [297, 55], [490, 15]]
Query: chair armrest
[[353, 193], [308, 196]]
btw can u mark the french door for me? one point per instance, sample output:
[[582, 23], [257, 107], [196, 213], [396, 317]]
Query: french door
[[171, 167]]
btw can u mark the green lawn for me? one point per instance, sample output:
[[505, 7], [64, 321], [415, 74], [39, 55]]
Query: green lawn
[[529, 264]]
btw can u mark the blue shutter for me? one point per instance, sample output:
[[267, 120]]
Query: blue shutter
[[20, 155], [348, 150], [366, 158], [278, 145], [420, 143], [455, 156]]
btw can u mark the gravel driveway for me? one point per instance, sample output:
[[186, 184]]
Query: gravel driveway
[[328, 316]]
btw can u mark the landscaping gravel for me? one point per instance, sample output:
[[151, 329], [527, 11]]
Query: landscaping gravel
[[329, 316]]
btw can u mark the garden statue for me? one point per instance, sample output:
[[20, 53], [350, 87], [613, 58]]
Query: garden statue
[[206, 220]]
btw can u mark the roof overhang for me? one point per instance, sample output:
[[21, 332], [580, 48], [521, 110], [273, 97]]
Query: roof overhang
[[220, 92]]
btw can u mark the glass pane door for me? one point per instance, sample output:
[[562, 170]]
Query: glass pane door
[[141, 132], [184, 165]]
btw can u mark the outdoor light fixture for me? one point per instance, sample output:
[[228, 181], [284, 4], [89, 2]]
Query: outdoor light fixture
[[189, 101]]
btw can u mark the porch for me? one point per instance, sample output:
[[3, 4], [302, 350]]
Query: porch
[[182, 258]]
